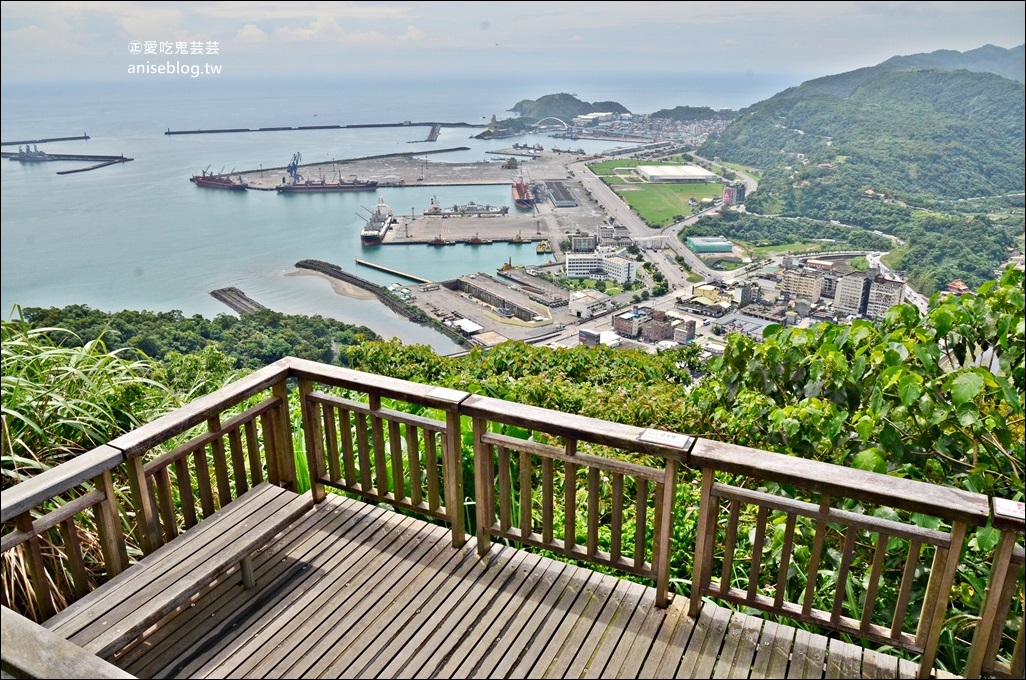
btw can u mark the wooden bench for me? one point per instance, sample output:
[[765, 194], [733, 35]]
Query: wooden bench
[[107, 619]]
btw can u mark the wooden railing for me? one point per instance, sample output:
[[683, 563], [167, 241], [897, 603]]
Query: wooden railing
[[594, 491]]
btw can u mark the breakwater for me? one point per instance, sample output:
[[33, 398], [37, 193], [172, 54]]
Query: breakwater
[[399, 307], [237, 300], [295, 128], [47, 139]]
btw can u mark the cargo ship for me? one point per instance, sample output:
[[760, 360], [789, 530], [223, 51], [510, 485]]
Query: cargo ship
[[523, 198], [212, 181], [320, 186], [380, 221], [467, 209]]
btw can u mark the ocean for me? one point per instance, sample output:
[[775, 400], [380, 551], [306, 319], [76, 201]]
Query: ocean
[[139, 235]]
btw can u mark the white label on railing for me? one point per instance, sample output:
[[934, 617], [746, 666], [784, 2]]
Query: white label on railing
[[664, 438], [446, 394], [1010, 509]]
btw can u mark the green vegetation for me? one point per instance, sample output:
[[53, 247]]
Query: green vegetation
[[660, 205], [690, 114], [947, 141], [903, 396], [765, 235], [252, 340], [754, 173]]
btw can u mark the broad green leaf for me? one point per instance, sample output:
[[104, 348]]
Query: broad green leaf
[[987, 538], [865, 427], [870, 460], [925, 521], [965, 386], [908, 388]]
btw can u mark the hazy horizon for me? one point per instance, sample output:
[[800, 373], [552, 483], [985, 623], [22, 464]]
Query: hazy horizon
[[68, 42]]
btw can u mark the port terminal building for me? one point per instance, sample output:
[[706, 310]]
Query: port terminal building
[[676, 174], [708, 244]]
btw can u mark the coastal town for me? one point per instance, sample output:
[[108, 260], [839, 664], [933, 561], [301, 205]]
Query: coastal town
[[610, 278]]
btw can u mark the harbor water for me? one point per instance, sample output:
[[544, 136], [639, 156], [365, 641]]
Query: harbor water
[[139, 235]]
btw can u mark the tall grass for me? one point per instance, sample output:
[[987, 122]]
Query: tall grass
[[61, 398]]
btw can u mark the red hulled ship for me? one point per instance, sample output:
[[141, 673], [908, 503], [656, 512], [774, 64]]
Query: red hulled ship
[[523, 198]]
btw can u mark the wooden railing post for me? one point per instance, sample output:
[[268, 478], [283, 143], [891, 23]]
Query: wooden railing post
[[108, 524], [314, 438], [283, 450], [484, 512], [666, 494], [938, 593], [452, 465], [706, 539], [1004, 572], [989, 625], [142, 502]]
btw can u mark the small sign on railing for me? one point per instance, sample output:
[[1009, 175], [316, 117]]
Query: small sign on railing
[[446, 394], [1008, 509], [664, 438]]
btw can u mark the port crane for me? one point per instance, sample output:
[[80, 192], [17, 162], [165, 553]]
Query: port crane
[[293, 167]]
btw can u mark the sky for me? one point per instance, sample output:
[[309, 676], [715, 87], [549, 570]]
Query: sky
[[101, 41]]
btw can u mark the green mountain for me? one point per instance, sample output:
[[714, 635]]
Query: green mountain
[[918, 134], [926, 154], [686, 114], [563, 106]]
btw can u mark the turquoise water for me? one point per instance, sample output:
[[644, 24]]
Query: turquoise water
[[139, 235]]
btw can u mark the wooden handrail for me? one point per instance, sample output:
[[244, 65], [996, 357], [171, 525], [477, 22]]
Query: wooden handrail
[[416, 462]]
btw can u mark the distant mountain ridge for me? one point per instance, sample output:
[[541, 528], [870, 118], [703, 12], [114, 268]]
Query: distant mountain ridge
[[1007, 63], [911, 132]]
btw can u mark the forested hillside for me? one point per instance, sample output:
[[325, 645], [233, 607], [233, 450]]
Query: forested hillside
[[252, 340]]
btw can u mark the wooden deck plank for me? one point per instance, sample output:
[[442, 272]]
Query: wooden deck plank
[[799, 655], [339, 608], [699, 662], [307, 572], [620, 633], [739, 663], [669, 646], [501, 633], [562, 644], [638, 638], [213, 615], [877, 665], [606, 632], [441, 631], [774, 651], [268, 649], [352, 590], [389, 621], [432, 608], [346, 622], [844, 660], [907, 669], [497, 602], [498, 660]]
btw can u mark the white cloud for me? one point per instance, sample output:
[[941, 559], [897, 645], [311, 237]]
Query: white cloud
[[412, 34], [251, 34]]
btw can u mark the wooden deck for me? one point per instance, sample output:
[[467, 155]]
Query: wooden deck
[[352, 590]]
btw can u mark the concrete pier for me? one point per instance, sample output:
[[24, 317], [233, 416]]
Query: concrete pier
[[389, 270]]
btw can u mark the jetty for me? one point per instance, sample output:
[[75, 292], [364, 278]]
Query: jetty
[[433, 135], [389, 270], [75, 138], [237, 300]]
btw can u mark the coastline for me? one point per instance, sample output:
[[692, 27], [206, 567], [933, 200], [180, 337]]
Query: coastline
[[340, 287]]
